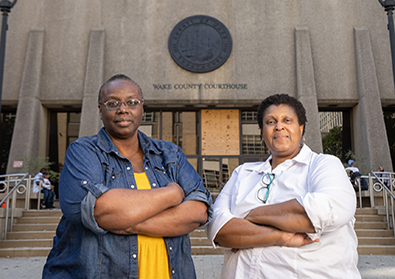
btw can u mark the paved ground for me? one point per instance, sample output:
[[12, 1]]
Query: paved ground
[[207, 267]]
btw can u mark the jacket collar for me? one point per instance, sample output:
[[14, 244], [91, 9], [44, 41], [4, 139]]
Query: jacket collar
[[106, 144]]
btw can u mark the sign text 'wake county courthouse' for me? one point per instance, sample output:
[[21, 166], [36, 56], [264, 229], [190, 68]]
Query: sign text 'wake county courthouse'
[[223, 86]]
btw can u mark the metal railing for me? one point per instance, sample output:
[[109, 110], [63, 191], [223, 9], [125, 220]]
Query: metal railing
[[381, 182], [13, 185], [385, 183], [370, 189]]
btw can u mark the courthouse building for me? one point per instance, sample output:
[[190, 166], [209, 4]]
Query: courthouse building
[[204, 67]]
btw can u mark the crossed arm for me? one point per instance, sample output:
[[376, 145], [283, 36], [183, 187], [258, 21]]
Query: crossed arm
[[283, 224], [160, 212]]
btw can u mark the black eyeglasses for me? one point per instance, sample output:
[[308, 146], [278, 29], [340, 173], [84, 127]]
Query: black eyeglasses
[[263, 192], [132, 103]]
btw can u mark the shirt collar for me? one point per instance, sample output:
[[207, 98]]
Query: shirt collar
[[302, 157]]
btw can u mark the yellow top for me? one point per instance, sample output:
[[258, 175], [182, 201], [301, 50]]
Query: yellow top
[[153, 257]]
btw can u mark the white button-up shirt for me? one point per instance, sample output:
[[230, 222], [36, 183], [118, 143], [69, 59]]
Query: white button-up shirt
[[321, 186]]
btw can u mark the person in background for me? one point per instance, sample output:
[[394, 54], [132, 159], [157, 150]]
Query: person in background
[[128, 201], [354, 173], [270, 215], [36, 185], [47, 189], [385, 176], [351, 166]]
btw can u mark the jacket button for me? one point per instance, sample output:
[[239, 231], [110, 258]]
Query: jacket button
[[153, 184], [134, 256], [128, 168]]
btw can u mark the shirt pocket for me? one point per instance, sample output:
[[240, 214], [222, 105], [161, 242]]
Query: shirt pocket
[[165, 174], [111, 175]]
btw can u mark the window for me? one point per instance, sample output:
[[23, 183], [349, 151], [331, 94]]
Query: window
[[251, 138], [150, 124]]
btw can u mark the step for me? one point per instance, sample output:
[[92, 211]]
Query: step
[[374, 233], [38, 220], [25, 252], [371, 225], [19, 243], [31, 235], [198, 233], [376, 250], [206, 250], [366, 211], [200, 241], [376, 241], [35, 227], [369, 218], [38, 213]]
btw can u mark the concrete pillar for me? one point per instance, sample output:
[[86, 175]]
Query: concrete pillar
[[26, 135], [370, 136], [306, 92], [90, 118]]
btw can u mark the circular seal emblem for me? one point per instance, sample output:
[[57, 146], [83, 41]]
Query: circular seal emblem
[[200, 44]]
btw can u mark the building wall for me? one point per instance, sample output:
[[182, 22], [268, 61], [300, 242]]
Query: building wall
[[306, 49]]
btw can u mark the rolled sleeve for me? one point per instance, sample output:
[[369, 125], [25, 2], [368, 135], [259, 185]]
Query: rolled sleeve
[[80, 186], [220, 218], [88, 210], [321, 215], [331, 203], [206, 199]]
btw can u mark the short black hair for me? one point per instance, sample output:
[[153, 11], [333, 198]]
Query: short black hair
[[43, 170], [282, 99], [116, 77]]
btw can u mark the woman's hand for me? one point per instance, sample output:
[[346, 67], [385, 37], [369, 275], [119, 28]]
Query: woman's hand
[[290, 240], [296, 239]]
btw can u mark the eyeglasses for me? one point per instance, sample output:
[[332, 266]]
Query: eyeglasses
[[263, 192], [112, 105]]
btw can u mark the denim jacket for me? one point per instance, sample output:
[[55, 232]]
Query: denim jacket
[[81, 249]]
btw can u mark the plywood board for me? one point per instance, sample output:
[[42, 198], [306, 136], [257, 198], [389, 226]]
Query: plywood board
[[220, 132]]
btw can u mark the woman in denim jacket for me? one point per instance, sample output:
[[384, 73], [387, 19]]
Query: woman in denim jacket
[[128, 201]]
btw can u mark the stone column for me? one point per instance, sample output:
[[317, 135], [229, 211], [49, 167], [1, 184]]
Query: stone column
[[90, 118], [26, 135], [370, 136], [306, 92]]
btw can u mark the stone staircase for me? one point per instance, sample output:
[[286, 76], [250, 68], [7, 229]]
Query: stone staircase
[[201, 245], [373, 236], [33, 233]]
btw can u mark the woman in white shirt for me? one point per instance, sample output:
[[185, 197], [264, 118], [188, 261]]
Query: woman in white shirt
[[291, 216]]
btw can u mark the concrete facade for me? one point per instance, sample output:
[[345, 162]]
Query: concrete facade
[[326, 53]]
